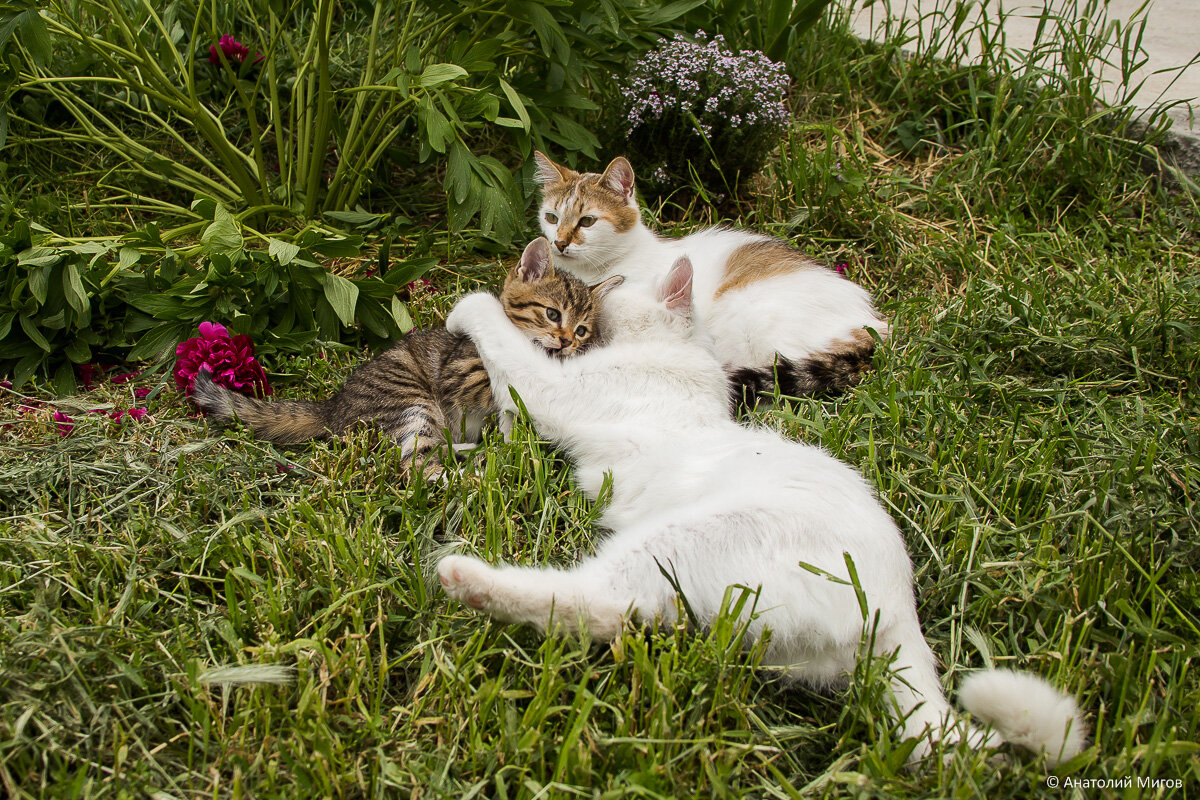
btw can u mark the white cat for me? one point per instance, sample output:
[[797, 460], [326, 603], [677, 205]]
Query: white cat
[[719, 505], [765, 303]]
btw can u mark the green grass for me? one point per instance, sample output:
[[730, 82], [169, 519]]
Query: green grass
[[1032, 425]]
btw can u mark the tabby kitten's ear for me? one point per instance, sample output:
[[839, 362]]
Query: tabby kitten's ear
[[676, 288], [618, 177], [604, 287], [535, 261], [549, 173]]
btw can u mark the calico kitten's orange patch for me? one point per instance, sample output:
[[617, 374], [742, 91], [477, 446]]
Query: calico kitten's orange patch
[[758, 261]]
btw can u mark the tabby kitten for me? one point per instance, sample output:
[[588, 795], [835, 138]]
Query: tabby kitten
[[431, 379], [774, 314]]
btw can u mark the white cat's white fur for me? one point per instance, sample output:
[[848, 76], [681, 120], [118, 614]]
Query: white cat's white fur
[[797, 314], [719, 505]]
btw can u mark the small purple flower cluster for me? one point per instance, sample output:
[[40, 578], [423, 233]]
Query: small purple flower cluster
[[693, 96]]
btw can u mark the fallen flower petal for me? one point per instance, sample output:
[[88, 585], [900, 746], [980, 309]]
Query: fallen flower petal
[[65, 423]]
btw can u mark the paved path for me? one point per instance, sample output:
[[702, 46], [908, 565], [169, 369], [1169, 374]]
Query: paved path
[[1171, 40]]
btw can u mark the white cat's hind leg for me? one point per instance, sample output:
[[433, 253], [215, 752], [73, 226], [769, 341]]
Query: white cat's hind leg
[[544, 598]]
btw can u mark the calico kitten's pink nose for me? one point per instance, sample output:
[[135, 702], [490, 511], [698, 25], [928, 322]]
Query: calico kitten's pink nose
[[561, 244]]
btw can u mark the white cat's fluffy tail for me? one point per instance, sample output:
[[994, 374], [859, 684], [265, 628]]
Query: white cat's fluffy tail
[[1026, 710]]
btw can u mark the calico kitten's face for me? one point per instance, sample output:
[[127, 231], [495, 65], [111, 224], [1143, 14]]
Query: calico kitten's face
[[555, 309], [585, 214]]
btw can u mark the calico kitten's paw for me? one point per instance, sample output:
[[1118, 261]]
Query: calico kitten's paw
[[470, 308], [466, 579]]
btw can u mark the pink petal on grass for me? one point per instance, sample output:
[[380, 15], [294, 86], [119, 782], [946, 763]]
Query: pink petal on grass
[[65, 423]]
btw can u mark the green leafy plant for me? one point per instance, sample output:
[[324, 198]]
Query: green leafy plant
[[294, 109], [133, 298]]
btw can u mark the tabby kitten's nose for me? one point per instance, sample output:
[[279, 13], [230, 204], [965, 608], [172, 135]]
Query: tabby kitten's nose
[[561, 244]]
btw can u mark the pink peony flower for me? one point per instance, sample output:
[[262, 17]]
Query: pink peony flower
[[230, 361], [235, 52], [65, 423]]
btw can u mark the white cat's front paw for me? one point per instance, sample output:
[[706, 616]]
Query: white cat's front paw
[[470, 308], [466, 579]]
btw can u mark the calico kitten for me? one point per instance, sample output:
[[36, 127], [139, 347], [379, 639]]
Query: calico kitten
[[775, 315], [715, 504], [431, 379]]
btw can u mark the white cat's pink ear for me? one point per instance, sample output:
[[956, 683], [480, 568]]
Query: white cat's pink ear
[[676, 290], [549, 173], [535, 261], [618, 176]]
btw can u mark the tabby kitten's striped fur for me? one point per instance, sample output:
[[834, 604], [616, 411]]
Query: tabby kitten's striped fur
[[775, 315], [431, 379]]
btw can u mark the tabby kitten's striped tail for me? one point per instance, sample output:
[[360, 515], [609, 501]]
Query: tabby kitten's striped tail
[[280, 421], [828, 373]]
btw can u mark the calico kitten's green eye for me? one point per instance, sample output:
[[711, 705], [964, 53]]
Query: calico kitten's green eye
[[581, 331], [587, 222], [553, 314], [551, 218]]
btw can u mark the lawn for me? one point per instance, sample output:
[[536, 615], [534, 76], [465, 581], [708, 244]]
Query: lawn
[[187, 612]]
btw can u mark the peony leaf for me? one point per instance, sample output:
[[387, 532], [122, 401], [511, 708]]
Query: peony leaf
[[515, 100], [73, 288], [282, 252], [157, 342], [35, 336], [223, 236], [342, 295], [400, 314], [437, 74]]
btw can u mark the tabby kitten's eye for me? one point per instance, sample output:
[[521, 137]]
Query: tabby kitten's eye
[[587, 222], [553, 314], [551, 218], [581, 331]]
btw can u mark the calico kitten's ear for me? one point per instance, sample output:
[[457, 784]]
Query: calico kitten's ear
[[604, 287], [618, 176], [676, 289], [549, 173], [535, 261]]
